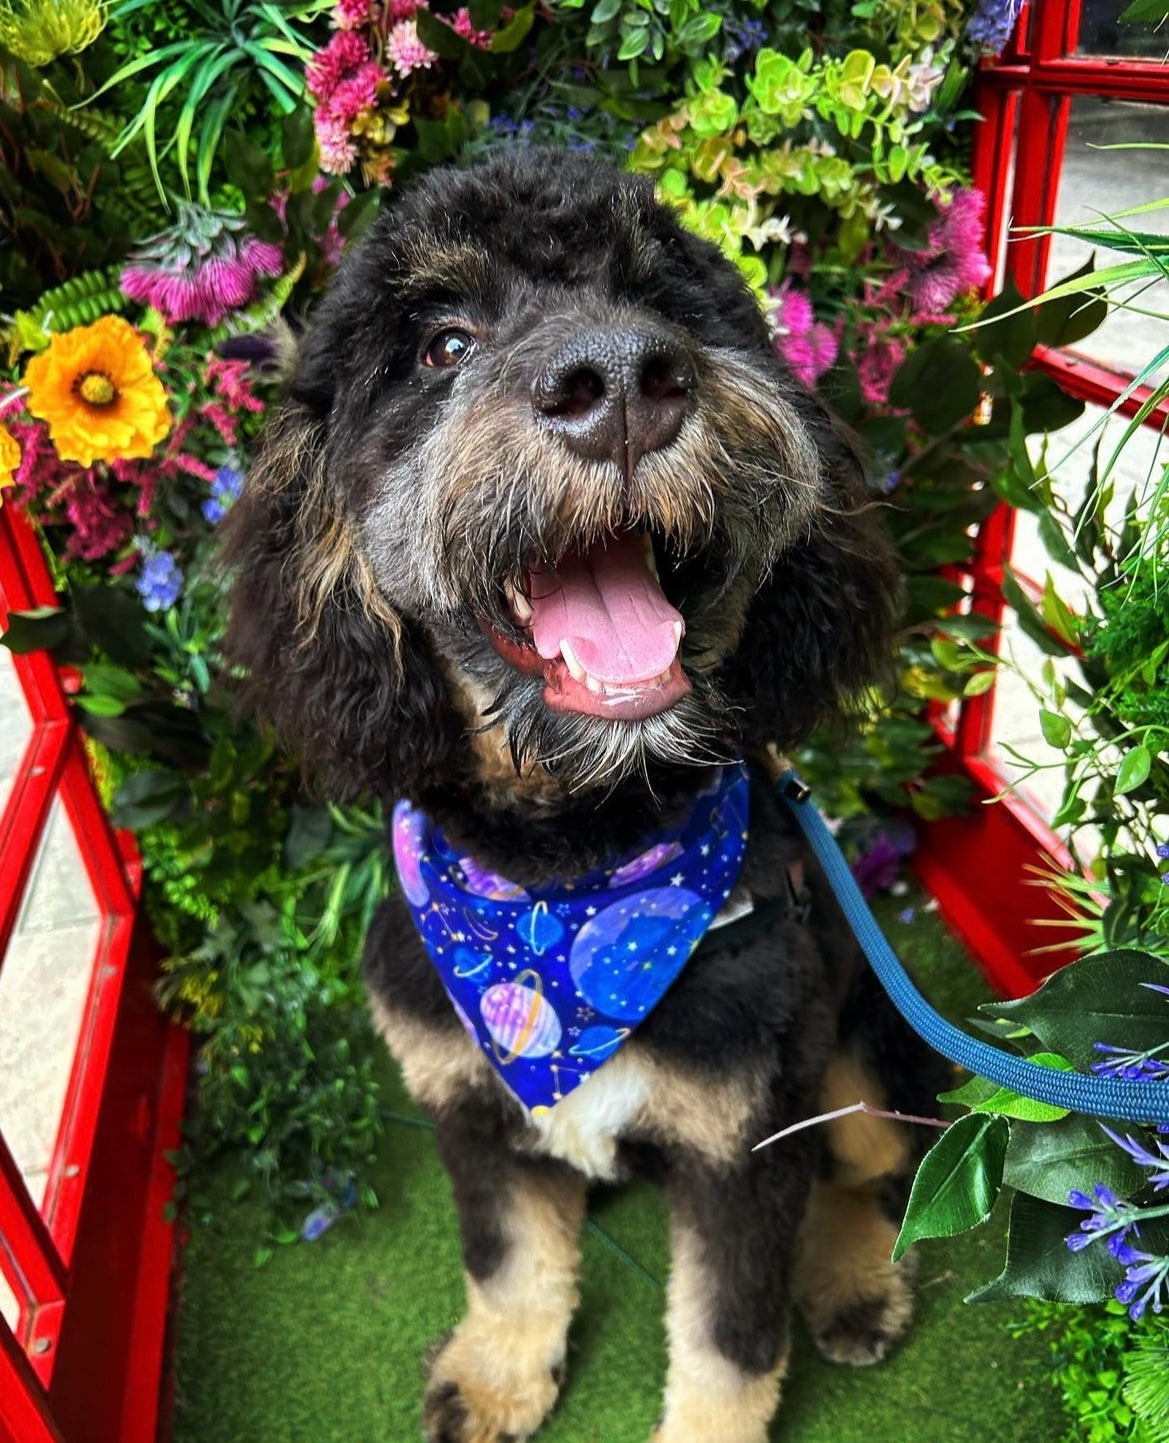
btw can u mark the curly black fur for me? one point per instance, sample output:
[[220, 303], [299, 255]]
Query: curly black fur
[[393, 505]]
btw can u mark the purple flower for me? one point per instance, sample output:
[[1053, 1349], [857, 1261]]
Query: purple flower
[[993, 24], [1143, 1268], [955, 261], [319, 1221], [1143, 1157], [1109, 1217], [161, 581], [1129, 1065], [225, 488], [1163, 850], [741, 36]]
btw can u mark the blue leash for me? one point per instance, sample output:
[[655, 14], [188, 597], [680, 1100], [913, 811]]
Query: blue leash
[[1110, 1097]]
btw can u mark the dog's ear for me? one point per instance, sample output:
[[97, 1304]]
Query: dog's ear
[[347, 684], [819, 631]]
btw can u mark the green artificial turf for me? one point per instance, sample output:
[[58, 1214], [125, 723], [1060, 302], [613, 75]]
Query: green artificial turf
[[322, 1344]]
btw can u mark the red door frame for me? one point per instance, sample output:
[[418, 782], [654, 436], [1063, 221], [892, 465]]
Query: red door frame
[[92, 1270], [975, 865]]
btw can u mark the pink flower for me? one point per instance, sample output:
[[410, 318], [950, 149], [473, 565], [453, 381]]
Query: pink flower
[[405, 51], [229, 380], [328, 67], [337, 149], [351, 14], [955, 262], [200, 268], [401, 10], [878, 366], [357, 92], [809, 347], [463, 27]]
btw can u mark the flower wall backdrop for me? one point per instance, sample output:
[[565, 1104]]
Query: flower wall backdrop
[[179, 179]]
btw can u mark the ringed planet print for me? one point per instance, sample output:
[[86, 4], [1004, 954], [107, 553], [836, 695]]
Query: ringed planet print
[[550, 981]]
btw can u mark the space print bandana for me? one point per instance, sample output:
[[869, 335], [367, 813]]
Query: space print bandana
[[549, 981]]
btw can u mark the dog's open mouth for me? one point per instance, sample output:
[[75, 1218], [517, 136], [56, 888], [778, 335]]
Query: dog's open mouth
[[599, 629]]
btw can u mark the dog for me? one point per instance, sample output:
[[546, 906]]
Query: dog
[[543, 542]]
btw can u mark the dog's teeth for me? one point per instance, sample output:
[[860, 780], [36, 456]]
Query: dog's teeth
[[518, 603], [650, 559], [570, 661], [678, 630], [664, 678], [594, 685]]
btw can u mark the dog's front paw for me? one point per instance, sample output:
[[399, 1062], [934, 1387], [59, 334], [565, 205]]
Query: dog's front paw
[[476, 1396], [861, 1330]]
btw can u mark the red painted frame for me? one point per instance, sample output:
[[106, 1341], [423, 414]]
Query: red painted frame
[[975, 865], [92, 1271]]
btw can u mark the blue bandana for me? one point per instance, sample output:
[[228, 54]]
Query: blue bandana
[[550, 981]]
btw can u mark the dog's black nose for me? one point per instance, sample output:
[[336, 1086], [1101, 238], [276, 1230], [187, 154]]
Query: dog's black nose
[[616, 392]]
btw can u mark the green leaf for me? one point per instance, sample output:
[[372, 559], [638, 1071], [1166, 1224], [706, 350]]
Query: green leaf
[[1005, 330], [1030, 621], [603, 11], [40, 629], [512, 35], [1006, 1102], [248, 166], [1098, 999], [939, 382], [1057, 729], [297, 137], [957, 1183], [1041, 1265], [436, 35], [980, 682], [1048, 1162], [359, 214], [113, 619], [1066, 321], [1134, 770]]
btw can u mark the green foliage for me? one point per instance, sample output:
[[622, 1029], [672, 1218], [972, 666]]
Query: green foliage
[[238, 51], [1110, 1373]]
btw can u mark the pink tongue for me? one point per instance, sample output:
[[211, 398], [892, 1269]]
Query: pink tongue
[[610, 609]]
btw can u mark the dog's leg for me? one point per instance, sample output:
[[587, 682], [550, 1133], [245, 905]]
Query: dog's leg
[[856, 1301], [497, 1376], [728, 1304]]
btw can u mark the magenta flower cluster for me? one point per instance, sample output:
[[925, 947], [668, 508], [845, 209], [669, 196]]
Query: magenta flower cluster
[[917, 291], [201, 268], [375, 48]]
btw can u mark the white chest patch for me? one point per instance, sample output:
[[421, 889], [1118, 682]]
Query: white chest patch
[[583, 1130]]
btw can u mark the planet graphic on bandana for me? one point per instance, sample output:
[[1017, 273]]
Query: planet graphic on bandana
[[409, 845], [598, 1043], [540, 929], [483, 883], [621, 960], [471, 964], [520, 1021], [650, 861]]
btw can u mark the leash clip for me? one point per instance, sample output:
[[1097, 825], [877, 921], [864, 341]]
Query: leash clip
[[796, 789]]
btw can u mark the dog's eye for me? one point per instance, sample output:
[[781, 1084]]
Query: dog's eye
[[449, 348]]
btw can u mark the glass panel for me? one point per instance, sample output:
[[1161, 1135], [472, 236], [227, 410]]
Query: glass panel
[[1016, 709], [44, 983], [1102, 34], [9, 1307], [1098, 182], [15, 725]]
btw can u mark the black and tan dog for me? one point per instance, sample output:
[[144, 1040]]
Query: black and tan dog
[[529, 366]]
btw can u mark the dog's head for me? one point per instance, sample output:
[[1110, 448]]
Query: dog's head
[[541, 488]]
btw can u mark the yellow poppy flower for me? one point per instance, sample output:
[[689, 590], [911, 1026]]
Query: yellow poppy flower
[[96, 387], [9, 458]]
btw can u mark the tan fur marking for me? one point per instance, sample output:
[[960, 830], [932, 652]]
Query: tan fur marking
[[708, 1398], [436, 1065], [842, 1261], [496, 770], [505, 1353], [450, 265], [865, 1148], [635, 1095]]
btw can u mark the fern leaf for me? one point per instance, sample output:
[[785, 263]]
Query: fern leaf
[[1146, 1385], [79, 301]]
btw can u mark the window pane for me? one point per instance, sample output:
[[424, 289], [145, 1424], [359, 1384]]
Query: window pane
[[15, 725], [1097, 182], [44, 983], [1102, 34]]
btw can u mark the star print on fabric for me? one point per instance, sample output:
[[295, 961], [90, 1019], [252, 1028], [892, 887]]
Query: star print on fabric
[[624, 933]]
